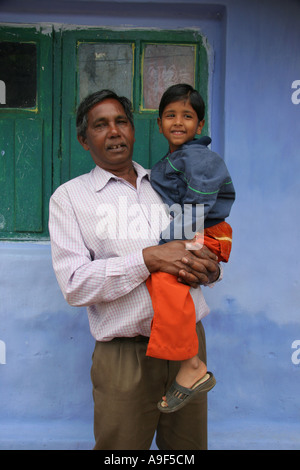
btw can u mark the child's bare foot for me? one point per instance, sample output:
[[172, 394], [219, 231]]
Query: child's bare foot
[[191, 371]]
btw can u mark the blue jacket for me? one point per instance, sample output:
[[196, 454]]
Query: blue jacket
[[190, 176]]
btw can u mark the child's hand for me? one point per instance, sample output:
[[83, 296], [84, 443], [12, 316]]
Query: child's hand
[[195, 244]]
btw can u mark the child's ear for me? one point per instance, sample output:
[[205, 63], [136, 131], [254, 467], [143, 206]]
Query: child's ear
[[159, 125], [200, 127]]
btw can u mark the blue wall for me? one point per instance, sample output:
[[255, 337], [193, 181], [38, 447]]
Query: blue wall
[[45, 389], [255, 317]]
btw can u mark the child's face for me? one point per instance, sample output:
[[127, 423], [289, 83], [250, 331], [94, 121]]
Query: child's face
[[179, 123]]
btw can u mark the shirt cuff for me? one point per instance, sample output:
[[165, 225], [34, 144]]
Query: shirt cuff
[[219, 278], [136, 266]]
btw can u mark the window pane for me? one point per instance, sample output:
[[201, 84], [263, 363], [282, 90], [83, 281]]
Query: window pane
[[166, 65], [18, 72], [105, 66]]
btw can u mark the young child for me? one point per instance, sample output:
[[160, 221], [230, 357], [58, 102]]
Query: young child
[[190, 174]]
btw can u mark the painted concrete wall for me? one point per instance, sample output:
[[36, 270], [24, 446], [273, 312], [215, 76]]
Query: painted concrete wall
[[253, 331]]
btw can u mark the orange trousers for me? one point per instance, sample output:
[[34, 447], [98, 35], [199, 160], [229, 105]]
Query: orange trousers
[[173, 330]]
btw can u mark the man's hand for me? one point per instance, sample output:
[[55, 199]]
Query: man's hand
[[207, 276], [190, 267]]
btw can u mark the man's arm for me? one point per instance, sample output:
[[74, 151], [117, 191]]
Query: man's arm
[[83, 280]]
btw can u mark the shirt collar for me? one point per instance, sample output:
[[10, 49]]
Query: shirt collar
[[100, 177]]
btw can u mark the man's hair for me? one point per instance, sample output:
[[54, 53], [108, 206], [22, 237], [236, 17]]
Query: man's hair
[[96, 98], [182, 92]]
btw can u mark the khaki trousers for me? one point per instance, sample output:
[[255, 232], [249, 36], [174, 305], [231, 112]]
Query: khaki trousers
[[126, 388]]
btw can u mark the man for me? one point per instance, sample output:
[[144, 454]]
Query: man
[[104, 246]]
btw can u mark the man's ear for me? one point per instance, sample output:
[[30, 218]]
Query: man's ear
[[82, 141], [200, 127], [159, 125]]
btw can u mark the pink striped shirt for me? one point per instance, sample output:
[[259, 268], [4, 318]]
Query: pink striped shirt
[[99, 224]]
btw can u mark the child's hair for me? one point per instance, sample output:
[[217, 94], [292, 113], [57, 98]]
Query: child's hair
[[179, 92]]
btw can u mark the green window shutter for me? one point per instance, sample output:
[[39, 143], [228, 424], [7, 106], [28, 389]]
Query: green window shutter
[[25, 131]]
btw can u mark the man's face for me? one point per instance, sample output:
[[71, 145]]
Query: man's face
[[109, 136]]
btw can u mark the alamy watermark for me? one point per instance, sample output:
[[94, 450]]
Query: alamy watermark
[[123, 221], [2, 352], [296, 94], [2, 92], [296, 353]]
